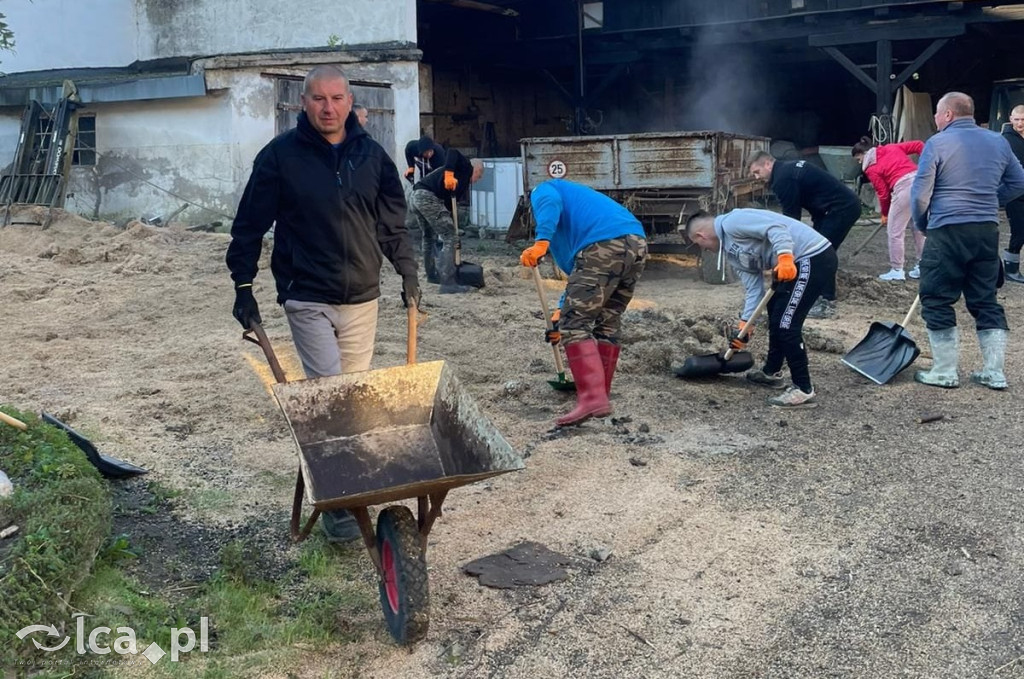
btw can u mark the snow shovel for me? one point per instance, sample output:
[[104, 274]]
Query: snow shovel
[[885, 351], [562, 383], [110, 467], [466, 273], [730, 361]]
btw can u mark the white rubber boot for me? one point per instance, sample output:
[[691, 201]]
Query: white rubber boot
[[993, 352], [945, 356]]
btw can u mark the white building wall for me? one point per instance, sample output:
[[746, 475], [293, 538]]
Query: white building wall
[[53, 34]]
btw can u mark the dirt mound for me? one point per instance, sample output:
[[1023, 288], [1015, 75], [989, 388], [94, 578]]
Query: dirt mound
[[851, 286]]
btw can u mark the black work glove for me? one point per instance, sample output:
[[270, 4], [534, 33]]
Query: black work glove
[[246, 310], [410, 292], [554, 336]]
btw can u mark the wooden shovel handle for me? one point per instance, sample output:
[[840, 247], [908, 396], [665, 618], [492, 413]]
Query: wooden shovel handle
[[758, 310], [913, 308], [14, 422], [410, 341], [559, 367]]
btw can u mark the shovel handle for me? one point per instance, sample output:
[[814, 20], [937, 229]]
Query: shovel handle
[[868, 239], [14, 422], [458, 240], [758, 310], [410, 340], [559, 367], [913, 308]]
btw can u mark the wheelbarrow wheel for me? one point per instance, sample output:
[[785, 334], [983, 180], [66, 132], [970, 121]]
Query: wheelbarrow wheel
[[404, 589]]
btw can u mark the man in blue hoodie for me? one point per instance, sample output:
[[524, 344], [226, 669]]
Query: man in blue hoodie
[[602, 247]]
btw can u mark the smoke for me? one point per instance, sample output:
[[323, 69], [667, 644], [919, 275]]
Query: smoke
[[725, 91]]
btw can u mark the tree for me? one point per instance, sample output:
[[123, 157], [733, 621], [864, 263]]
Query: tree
[[6, 34]]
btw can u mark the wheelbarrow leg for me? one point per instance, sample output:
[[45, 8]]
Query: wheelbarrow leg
[[362, 515], [300, 535], [427, 516]]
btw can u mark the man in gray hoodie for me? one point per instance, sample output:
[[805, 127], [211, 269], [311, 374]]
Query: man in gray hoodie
[[803, 263]]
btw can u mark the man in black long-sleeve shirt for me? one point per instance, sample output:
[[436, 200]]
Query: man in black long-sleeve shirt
[[833, 207], [1015, 208], [431, 203]]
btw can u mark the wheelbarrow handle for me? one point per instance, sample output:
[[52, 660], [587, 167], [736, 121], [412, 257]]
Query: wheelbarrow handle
[[758, 310], [14, 422], [268, 351]]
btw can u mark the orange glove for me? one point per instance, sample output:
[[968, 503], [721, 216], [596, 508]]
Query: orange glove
[[885, 220], [450, 182], [532, 254], [410, 173], [785, 270], [734, 337]]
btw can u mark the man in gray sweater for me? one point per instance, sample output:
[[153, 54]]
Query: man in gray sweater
[[964, 174], [803, 263]]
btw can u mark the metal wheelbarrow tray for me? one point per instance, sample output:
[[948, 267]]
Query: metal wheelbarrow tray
[[381, 436]]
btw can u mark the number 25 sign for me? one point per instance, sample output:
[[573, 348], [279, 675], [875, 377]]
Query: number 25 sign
[[557, 169]]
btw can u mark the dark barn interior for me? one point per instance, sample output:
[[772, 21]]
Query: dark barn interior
[[809, 71]]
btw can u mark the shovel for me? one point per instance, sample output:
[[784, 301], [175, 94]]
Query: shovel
[[868, 239], [731, 361], [110, 467], [562, 383], [885, 351], [466, 273]]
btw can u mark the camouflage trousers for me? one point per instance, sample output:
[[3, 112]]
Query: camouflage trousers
[[600, 287], [434, 219]]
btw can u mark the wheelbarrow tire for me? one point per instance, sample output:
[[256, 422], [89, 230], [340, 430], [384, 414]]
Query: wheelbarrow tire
[[404, 588]]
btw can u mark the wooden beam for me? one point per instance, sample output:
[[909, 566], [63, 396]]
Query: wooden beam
[[927, 54], [482, 6], [883, 76], [853, 68], [890, 30]]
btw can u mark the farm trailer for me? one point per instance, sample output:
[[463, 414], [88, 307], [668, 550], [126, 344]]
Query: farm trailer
[[660, 176]]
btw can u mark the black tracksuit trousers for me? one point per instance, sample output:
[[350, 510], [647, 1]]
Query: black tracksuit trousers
[[835, 226], [961, 259], [787, 311]]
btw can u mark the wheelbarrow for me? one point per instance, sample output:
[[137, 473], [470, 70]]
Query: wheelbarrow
[[382, 436]]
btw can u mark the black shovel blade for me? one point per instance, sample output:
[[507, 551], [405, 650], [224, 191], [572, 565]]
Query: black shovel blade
[[469, 274], [710, 365], [110, 467], [884, 352]]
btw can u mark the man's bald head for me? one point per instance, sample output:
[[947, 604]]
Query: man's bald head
[[951, 106], [1017, 119], [700, 230]]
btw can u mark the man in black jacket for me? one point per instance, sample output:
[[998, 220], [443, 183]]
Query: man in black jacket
[[433, 199], [423, 154], [1015, 208], [337, 204], [833, 207]]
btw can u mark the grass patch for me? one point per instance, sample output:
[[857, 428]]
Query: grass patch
[[63, 509], [253, 623]]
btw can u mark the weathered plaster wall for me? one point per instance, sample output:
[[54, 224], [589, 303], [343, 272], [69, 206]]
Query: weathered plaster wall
[[199, 148], [203, 27], [54, 34]]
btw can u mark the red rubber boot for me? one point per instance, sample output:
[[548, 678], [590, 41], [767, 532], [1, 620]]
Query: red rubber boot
[[610, 358], [588, 371]]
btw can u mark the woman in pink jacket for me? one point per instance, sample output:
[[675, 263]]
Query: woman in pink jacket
[[891, 172]]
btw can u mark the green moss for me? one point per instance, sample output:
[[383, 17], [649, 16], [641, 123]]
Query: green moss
[[63, 509]]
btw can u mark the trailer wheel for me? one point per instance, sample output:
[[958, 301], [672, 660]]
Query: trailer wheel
[[404, 589]]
